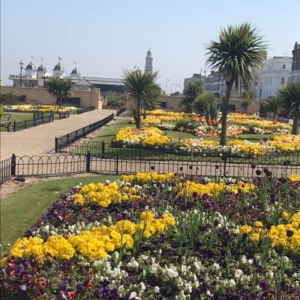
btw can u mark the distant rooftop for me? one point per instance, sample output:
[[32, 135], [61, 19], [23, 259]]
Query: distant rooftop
[[109, 81]]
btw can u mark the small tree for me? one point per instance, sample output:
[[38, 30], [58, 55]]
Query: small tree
[[9, 98], [194, 89], [140, 88], [248, 97], [60, 89], [290, 98], [205, 104], [274, 106], [238, 54]]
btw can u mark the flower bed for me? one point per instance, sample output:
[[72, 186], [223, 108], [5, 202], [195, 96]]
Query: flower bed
[[148, 137], [156, 236], [153, 138], [40, 108]]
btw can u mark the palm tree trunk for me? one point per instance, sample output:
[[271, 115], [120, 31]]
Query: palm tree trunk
[[138, 120], [295, 123], [229, 84]]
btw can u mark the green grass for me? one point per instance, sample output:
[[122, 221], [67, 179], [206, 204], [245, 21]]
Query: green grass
[[109, 132], [21, 210]]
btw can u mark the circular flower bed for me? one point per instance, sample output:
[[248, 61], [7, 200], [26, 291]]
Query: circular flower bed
[[163, 236]]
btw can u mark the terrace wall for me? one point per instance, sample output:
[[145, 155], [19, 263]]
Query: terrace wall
[[87, 98], [173, 103]]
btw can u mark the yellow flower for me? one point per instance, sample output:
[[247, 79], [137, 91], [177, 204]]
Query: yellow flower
[[245, 229], [286, 215], [258, 224], [255, 237], [3, 261]]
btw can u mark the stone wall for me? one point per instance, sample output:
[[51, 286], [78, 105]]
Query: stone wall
[[173, 104], [87, 98]]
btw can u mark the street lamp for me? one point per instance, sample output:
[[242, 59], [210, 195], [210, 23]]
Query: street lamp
[[44, 72], [167, 85], [21, 68]]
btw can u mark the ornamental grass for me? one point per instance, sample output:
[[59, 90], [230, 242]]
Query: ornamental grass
[[163, 236]]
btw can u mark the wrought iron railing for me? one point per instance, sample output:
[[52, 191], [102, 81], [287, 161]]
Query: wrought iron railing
[[85, 109], [65, 140], [68, 164]]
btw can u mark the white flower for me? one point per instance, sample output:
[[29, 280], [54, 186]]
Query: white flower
[[132, 295], [172, 273], [156, 289], [238, 273], [216, 266], [143, 286]]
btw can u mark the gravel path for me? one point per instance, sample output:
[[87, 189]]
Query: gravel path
[[40, 139]]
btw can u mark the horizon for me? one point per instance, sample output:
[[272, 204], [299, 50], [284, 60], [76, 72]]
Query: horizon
[[106, 38]]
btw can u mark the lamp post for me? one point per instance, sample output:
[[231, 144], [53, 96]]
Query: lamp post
[[44, 72], [166, 85], [21, 68]]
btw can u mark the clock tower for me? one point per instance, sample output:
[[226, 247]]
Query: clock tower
[[149, 59]]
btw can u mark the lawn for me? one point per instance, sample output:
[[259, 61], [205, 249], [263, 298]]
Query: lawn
[[21, 210], [20, 116]]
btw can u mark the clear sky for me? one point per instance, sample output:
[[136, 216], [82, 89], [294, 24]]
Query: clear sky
[[104, 37]]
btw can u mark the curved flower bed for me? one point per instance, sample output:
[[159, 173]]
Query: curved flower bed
[[162, 236], [40, 108]]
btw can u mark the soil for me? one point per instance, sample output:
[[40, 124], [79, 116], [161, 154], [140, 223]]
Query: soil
[[12, 186]]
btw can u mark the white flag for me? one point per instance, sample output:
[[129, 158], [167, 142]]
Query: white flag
[[32, 56]]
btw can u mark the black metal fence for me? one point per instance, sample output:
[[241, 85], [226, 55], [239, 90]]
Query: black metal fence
[[5, 170], [65, 140], [20, 125], [120, 111], [209, 163], [42, 115], [86, 109], [65, 164]]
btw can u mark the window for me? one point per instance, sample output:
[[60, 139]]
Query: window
[[282, 80], [283, 67], [270, 80]]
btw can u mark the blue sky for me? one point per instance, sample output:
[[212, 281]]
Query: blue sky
[[104, 37]]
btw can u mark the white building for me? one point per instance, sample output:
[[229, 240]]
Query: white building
[[295, 74], [273, 76], [186, 81]]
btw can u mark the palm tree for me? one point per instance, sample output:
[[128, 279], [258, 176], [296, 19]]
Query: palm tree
[[140, 87], [274, 106], [194, 89], [248, 97], [290, 97], [60, 89], [237, 55]]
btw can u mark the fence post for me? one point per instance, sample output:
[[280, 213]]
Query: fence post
[[224, 172], [56, 144], [117, 165], [13, 165], [88, 162], [103, 149], [14, 126]]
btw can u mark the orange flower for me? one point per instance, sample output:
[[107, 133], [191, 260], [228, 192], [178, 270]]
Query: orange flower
[[71, 294]]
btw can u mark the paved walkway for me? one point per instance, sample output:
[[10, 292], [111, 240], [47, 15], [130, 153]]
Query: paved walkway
[[40, 140]]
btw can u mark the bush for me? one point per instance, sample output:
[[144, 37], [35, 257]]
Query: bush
[[1, 110], [182, 123]]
